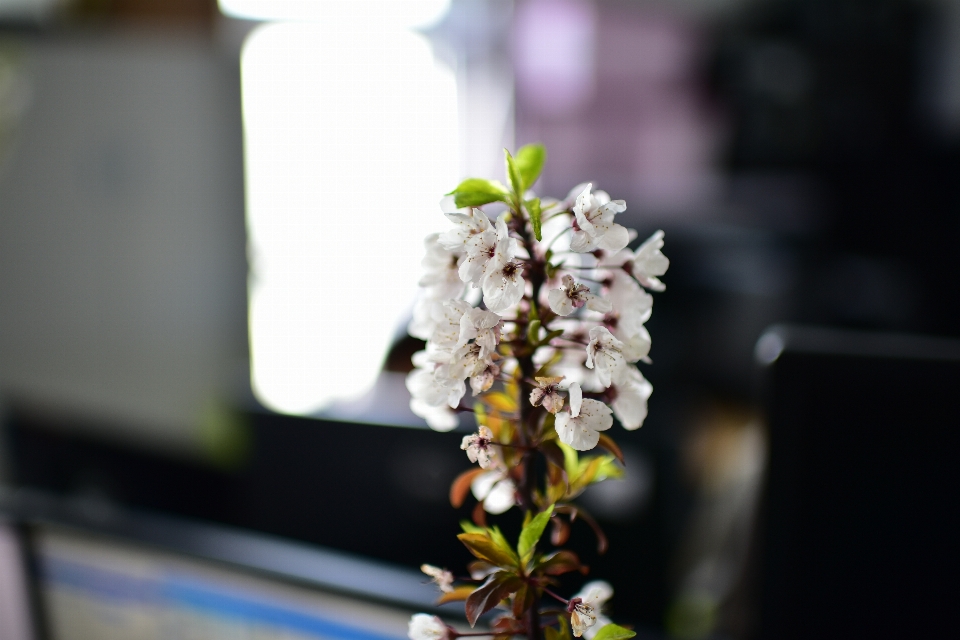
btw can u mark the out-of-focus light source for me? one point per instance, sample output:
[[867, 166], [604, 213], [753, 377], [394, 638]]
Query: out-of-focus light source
[[400, 13], [349, 143]]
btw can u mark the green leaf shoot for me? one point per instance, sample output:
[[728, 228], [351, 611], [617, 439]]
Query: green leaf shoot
[[570, 461], [531, 533], [469, 527], [475, 192], [529, 161], [614, 632], [533, 208], [513, 175], [533, 332], [501, 541], [484, 547]]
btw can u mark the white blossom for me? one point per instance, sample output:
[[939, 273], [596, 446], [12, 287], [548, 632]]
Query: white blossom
[[446, 332], [605, 355], [484, 378], [479, 447], [433, 391], [426, 627], [632, 306], [435, 387], [580, 427], [469, 362], [483, 327], [425, 312], [649, 263], [441, 577], [572, 296], [594, 213], [441, 282], [547, 394], [480, 249], [495, 490], [441, 274], [631, 395], [503, 284], [438, 417], [466, 225], [592, 596]]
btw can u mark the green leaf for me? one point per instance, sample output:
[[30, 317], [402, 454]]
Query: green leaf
[[513, 175], [563, 633], [474, 192], [608, 469], [571, 461], [614, 632], [530, 535], [529, 161], [533, 208], [469, 527], [502, 543], [586, 474], [533, 332], [497, 587], [556, 333], [483, 546]]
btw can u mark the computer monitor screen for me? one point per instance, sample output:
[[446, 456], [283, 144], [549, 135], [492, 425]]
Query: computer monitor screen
[[97, 588]]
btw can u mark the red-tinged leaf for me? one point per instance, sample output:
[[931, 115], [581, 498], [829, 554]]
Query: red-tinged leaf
[[607, 443], [484, 548], [461, 486], [523, 599], [458, 594], [506, 625], [552, 452], [479, 515], [559, 563], [479, 570], [488, 595], [560, 532]]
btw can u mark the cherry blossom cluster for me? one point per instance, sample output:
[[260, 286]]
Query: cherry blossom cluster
[[541, 306], [463, 337]]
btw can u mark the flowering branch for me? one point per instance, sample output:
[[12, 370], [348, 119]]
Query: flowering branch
[[537, 403]]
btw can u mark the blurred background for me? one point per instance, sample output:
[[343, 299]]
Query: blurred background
[[211, 223]]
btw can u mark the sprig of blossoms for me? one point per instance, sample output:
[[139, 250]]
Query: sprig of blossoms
[[548, 331]]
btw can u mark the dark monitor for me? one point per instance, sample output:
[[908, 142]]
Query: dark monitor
[[859, 533]]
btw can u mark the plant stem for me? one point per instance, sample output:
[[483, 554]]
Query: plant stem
[[529, 415]]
